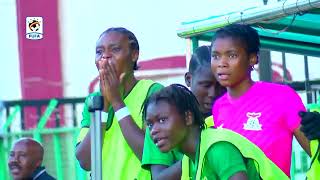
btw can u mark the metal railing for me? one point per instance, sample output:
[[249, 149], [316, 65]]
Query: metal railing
[[38, 106], [59, 142]]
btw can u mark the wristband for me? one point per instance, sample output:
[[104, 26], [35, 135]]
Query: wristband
[[104, 117], [122, 113]]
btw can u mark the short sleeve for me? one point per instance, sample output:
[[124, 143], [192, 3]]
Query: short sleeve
[[85, 122], [154, 88], [225, 160], [152, 155], [209, 121], [83, 132]]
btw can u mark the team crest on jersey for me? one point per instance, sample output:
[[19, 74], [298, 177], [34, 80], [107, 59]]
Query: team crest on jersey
[[34, 28], [253, 123]]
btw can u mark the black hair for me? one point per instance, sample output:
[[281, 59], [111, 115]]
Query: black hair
[[200, 57], [245, 33], [180, 97], [134, 44]]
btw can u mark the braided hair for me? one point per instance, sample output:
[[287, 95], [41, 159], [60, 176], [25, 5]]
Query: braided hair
[[180, 97], [134, 44]]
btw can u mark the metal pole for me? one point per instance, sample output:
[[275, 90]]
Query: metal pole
[[265, 71], [96, 106], [96, 155], [58, 156], [307, 82], [284, 66], [195, 44]]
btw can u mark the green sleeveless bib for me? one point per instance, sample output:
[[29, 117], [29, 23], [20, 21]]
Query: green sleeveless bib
[[118, 160], [265, 167], [315, 166]]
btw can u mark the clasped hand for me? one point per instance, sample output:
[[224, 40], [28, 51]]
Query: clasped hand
[[111, 84]]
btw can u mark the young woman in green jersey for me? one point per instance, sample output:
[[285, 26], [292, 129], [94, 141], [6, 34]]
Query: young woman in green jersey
[[175, 120], [206, 89], [117, 52]]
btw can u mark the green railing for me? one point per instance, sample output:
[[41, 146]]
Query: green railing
[[59, 145]]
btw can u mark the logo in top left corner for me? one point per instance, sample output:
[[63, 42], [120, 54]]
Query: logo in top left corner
[[34, 28]]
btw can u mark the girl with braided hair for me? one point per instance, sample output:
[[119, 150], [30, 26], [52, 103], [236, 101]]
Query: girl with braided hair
[[176, 122]]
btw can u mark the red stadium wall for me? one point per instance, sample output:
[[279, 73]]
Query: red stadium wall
[[40, 60]]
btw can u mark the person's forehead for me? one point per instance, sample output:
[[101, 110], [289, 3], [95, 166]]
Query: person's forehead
[[21, 147], [231, 42], [158, 106], [156, 103], [112, 38]]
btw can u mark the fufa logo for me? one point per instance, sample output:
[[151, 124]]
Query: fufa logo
[[34, 28], [253, 123]]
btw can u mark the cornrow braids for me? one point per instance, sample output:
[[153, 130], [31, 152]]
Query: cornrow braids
[[134, 44], [200, 57], [180, 97]]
